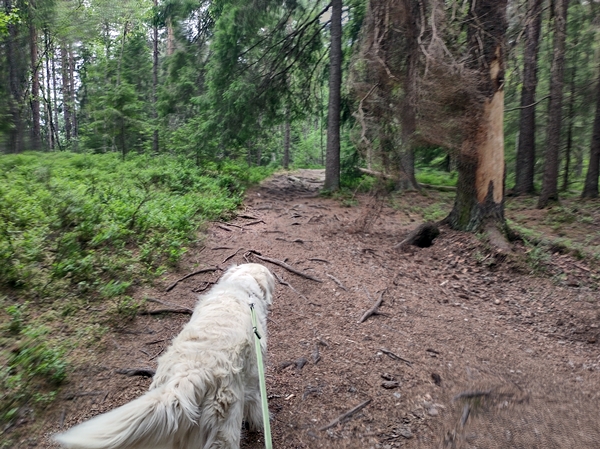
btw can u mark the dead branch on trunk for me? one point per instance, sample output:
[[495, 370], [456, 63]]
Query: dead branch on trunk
[[346, 415], [337, 281], [422, 236], [204, 270], [284, 265], [373, 310], [144, 372]]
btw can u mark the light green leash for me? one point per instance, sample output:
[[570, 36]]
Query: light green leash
[[262, 381]]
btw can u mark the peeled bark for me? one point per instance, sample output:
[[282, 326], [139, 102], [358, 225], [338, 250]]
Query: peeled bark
[[332, 165], [524, 169], [480, 186], [550, 179]]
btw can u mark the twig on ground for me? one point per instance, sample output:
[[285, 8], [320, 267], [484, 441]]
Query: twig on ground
[[373, 310], [254, 222], [144, 372], [167, 310], [158, 353], [346, 415], [316, 356], [284, 265], [231, 224], [204, 270], [249, 217], [283, 282], [221, 247], [316, 259], [472, 394], [225, 228], [232, 255], [465, 415], [337, 281], [391, 355]]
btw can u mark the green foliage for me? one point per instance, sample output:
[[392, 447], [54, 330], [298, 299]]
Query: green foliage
[[32, 369], [83, 218]]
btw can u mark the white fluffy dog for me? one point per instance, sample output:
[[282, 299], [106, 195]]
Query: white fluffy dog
[[205, 383]]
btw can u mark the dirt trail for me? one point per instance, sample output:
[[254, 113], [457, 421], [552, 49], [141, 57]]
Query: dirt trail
[[468, 350]]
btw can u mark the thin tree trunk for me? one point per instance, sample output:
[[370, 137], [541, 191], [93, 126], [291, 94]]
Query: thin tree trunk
[[73, 98], [66, 91], [480, 186], [571, 118], [590, 188], [155, 82], [48, 99], [170, 37], [550, 179], [15, 137], [36, 141], [55, 100], [286, 144], [525, 162], [332, 165]]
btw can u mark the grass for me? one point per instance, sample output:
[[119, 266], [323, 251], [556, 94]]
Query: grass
[[77, 229]]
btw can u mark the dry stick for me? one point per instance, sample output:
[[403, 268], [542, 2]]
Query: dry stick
[[231, 224], [225, 228], [472, 394], [159, 311], [391, 355], [204, 270], [284, 265], [337, 281], [145, 372], [282, 282], [346, 415], [373, 310], [316, 259], [249, 217], [221, 247], [254, 222], [232, 255], [465, 415]]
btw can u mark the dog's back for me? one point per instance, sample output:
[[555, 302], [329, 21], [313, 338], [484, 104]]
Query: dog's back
[[205, 382]]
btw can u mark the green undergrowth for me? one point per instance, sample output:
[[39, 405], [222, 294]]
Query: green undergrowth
[[77, 232]]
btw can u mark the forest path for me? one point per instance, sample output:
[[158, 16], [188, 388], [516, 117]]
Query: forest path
[[470, 350]]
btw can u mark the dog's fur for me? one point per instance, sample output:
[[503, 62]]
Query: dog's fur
[[206, 382]]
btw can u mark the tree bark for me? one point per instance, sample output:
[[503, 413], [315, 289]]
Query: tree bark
[[14, 59], [550, 179], [571, 119], [480, 186], [525, 162], [73, 96], [590, 188], [48, 99], [332, 163]]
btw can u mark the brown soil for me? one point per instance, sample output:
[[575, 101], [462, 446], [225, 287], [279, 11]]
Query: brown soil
[[470, 349]]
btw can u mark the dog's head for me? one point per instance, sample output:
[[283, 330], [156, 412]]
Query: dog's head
[[255, 273]]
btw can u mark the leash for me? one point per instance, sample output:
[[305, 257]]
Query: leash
[[262, 381]]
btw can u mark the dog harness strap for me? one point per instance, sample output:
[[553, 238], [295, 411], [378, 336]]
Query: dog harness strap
[[262, 381]]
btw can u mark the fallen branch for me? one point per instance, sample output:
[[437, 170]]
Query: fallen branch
[[167, 310], [346, 415], [393, 356], [284, 265], [283, 282], [254, 222], [144, 372], [337, 281], [373, 310], [204, 270], [316, 259], [232, 255], [225, 228]]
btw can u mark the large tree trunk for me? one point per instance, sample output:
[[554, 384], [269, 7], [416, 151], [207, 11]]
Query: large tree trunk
[[525, 162], [36, 141], [332, 164], [550, 180], [480, 187], [590, 188], [571, 120]]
